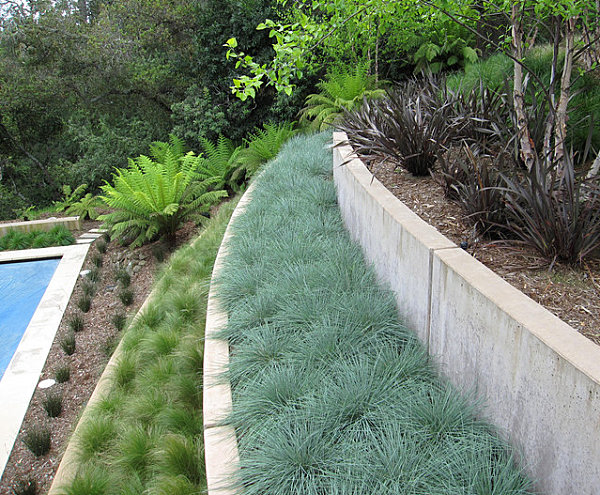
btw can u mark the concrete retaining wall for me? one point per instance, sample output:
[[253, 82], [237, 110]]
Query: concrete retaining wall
[[540, 379], [71, 223]]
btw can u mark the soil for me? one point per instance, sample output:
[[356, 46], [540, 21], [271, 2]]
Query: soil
[[94, 345], [570, 292]]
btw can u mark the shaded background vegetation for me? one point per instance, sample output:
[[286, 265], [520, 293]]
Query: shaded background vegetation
[[86, 84]]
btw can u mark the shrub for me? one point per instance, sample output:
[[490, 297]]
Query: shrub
[[62, 374], [97, 260], [412, 125], [70, 197], [123, 277], [37, 439], [119, 320], [86, 207], [101, 246], [88, 287], [110, 345], [557, 214], [152, 198], [15, 240], [261, 147], [218, 161], [25, 487], [126, 296], [67, 343], [160, 251], [474, 182], [84, 303], [94, 274], [52, 404], [342, 89], [76, 323]]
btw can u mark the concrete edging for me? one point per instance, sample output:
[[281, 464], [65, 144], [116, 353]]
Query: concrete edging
[[71, 223], [539, 377], [220, 442]]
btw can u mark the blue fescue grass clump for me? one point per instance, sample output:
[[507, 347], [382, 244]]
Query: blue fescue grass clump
[[145, 436], [332, 394]]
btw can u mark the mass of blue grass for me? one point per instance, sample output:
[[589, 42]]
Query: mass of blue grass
[[145, 437], [332, 394]]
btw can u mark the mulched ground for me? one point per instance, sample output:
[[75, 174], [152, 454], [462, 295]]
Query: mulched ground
[[571, 293], [94, 345]]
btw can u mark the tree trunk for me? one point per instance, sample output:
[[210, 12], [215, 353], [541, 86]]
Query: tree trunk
[[560, 128], [526, 147], [595, 168]]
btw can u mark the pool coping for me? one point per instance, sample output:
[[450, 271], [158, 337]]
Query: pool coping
[[21, 377]]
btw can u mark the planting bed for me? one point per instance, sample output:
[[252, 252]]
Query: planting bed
[[331, 393], [570, 292], [143, 434]]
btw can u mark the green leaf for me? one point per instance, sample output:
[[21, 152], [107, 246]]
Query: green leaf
[[470, 54]]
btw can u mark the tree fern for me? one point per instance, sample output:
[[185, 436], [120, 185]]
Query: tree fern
[[175, 146], [152, 198], [261, 147], [219, 160], [342, 89], [85, 207]]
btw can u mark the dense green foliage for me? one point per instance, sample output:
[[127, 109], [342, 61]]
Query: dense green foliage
[[585, 102], [152, 198], [331, 394], [145, 435], [341, 90], [86, 84], [16, 239], [261, 146]]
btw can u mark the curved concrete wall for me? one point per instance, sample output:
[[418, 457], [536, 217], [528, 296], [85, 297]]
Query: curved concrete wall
[[540, 379]]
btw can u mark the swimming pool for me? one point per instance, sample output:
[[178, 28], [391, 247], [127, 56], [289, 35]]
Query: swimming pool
[[22, 374], [22, 285]]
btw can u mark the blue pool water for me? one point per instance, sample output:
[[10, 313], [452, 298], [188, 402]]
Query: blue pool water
[[22, 285]]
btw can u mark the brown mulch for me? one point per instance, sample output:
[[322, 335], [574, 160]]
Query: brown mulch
[[572, 293], [94, 345]]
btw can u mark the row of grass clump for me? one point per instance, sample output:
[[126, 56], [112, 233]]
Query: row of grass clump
[[145, 434], [331, 393], [15, 239]]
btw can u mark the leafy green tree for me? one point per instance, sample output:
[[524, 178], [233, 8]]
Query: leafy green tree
[[342, 32]]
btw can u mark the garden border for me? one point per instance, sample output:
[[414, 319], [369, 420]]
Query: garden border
[[220, 442], [539, 378]]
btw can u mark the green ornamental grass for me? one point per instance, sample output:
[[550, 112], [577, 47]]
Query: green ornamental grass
[[145, 436]]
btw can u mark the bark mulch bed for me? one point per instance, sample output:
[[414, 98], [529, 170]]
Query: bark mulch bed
[[572, 293], [94, 345]]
